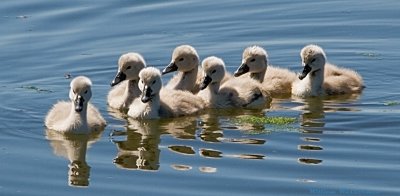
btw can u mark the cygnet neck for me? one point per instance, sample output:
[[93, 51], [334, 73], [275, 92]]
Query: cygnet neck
[[188, 79], [315, 80], [259, 76], [79, 119]]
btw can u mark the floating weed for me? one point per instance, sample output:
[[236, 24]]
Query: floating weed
[[372, 55], [273, 120], [36, 89], [265, 124], [67, 76], [391, 103]]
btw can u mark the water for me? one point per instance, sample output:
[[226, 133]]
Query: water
[[337, 146]]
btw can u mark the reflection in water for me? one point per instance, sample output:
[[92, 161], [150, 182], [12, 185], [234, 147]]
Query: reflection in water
[[73, 147], [311, 139], [244, 140], [309, 147], [180, 167], [309, 161], [210, 153], [117, 113], [211, 136], [313, 122], [183, 149], [140, 149], [314, 109], [203, 169], [138, 145], [208, 169], [211, 130], [181, 128], [313, 112], [249, 156]]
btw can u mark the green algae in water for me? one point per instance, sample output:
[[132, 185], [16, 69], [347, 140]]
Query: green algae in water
[[36, 89], [372, 55], [266, 124], [273, 120], [391, 103]]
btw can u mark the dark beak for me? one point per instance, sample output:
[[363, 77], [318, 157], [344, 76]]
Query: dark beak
[[241, 70], [306, 70], [146, 95], [206, 81], [118, 78], [79, 104], [170, 68]]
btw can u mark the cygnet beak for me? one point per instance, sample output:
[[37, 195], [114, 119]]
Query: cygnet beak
[[205, 82], [147, 94], [118, 78], [79, 103], [170, 68], [306, 70], [243, 68]]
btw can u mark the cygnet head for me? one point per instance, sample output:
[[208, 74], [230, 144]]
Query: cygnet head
[[214, 71], [80, 92], [184, 59], [313, 59], [129, 66], [150, 83], [254, 60]]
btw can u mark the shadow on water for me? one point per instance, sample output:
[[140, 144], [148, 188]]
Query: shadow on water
[[74, 147]]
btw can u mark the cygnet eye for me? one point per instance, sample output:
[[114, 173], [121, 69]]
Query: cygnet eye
[[213, 71], [129, 67], [252, 60], [312, 60], [85, 91], [181, 59], [153, 82], [74, 91]]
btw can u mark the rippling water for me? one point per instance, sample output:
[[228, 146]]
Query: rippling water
[[342, 146]]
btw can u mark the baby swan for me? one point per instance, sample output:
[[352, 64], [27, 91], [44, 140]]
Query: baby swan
[[186, 61], [277, 81], [125, 84], [234, 92], [156, 102], [322, 78], [77, 115]]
